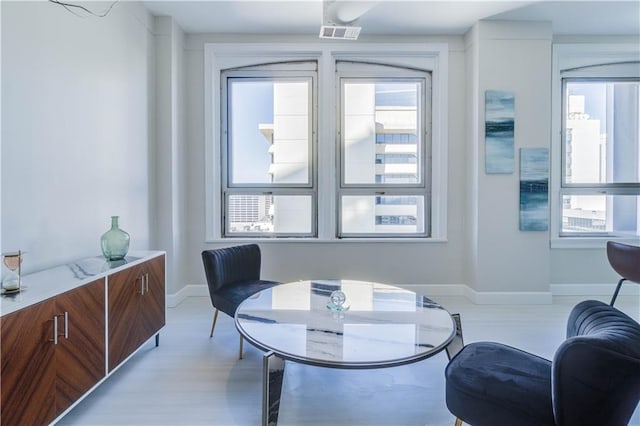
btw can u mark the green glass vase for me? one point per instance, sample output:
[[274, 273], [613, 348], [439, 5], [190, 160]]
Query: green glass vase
[[114, 242]]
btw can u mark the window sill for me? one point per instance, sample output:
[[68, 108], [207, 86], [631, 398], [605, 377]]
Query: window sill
[[589, 242], [324, 241]]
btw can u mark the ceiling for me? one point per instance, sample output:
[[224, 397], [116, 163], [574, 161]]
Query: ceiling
[[397, 17]]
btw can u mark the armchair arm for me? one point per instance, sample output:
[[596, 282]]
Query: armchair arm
[[593, 384]]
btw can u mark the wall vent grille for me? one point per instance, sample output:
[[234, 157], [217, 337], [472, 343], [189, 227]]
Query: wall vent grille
[[340, 32]]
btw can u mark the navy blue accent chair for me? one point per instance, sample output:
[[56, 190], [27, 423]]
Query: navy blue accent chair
[[233, 275], [593, 379]]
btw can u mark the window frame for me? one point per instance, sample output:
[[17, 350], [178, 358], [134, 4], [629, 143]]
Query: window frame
[[584, 62], [433, 57], [373, 72], [273, 72], [599, 187]]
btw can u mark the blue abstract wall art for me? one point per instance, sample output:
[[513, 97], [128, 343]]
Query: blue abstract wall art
[[534, 189], [499, 129]]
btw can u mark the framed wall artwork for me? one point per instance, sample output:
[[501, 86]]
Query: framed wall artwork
[[534, 189], [499, 131]]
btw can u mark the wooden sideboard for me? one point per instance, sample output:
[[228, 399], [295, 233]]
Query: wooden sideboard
[[55, 333]]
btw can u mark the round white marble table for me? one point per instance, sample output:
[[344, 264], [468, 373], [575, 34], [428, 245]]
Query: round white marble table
[[384, 326]]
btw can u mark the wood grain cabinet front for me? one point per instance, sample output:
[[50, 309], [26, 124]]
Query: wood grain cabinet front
[[136, 308], [52, 353], [80, 354]]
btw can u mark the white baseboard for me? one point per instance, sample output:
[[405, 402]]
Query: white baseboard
[[628, 289], [190, 290], [438, 289], [483, 297], [511, 297], [477, 297]]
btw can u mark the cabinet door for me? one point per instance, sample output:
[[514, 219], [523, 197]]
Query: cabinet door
[[125, 291], [136, 307], [152, 309], [27, 368], [80, 353]]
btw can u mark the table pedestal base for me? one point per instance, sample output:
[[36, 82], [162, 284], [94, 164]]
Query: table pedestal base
[[272, 377]]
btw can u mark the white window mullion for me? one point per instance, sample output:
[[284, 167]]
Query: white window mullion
[[326, 153]]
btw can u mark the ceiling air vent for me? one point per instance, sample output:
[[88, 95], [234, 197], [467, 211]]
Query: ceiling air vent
[[340, 32]]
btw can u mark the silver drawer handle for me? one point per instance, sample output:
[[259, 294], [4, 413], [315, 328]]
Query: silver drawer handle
[[66, 325], [55, 330]]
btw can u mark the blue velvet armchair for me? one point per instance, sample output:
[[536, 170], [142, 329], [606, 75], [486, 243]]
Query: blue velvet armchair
[[593, 379], [233, 274]]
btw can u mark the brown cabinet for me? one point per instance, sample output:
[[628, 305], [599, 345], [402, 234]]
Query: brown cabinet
[[80, 353], [52, 353], [53, 349], [136, 308], [28, 373]]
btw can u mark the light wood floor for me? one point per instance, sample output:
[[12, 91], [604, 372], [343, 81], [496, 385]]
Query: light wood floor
[[193, 380]]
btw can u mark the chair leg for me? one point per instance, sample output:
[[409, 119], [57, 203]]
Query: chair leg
[[457, 343], [458, 422], [215, 318], [615, 293]]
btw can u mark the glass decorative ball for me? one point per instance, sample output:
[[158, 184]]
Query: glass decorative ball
[[337, 298]]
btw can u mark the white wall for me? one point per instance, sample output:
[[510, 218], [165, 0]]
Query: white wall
[[406, 263], [78, 145], [168, 154], [1, 130], [485, 248], [574, 263], [514, 57], [77, 128]]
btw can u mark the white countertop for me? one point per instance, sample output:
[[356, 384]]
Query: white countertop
[[45, 284]]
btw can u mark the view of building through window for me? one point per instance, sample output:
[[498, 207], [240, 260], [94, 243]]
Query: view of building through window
[[270, 161], [381, 146], [269, 145], [601, 157]]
